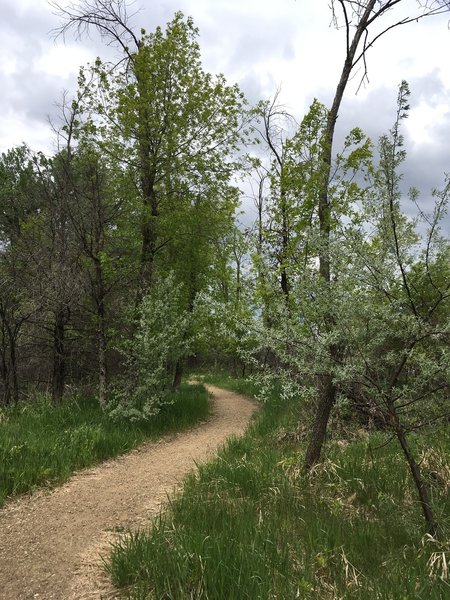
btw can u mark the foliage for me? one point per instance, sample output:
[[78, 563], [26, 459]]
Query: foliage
[[224, 330], [159, 343], [175, 129], [123, 247], [370, 331], [142, 185]]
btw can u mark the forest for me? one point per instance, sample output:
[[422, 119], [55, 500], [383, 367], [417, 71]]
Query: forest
[[124, 270]]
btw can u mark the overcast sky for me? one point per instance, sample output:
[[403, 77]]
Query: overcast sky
[[260, 44]]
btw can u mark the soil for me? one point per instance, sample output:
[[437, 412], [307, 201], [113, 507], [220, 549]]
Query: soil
[[53, 543]]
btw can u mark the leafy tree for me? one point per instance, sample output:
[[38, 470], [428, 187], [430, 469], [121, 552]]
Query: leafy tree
[[18, 204], [398, 347], [173, 124], [225, 309], [95, 214], [175, 131], [364, 23], [388, 305], [55, 252]]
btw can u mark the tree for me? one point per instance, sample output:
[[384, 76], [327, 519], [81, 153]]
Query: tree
[[275, 126], [388, 300], [287, 196], [18, 204], [174, 130], [54, 252], [97, 210], [173, 124], [95, 214], [397, 358], [225, 309], [360, 19], [14, 313], [152, 353]]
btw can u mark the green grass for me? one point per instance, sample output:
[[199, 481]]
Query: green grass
[[249, 525], [225, 380], [42, 444]]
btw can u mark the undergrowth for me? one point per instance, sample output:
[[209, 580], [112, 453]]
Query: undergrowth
[[43, 444], [251, 525]]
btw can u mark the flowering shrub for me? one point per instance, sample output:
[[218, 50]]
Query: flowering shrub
[[160, 341]]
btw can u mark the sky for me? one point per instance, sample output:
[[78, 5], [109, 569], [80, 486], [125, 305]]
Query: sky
[[262, 45]]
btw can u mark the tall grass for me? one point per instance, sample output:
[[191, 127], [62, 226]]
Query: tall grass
[[42, 444], [251, 525]]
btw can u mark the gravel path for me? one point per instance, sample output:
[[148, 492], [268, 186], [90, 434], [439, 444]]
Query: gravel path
[[51, 543]]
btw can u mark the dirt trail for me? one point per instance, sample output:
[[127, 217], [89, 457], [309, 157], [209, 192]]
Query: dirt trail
[[51, 543]]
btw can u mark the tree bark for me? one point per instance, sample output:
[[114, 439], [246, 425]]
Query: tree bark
[[59, 358], [179, 368], [148, 249], [147, 169], [101, 333], [4, 367], [5, 378], [430, 521], [13, 362], [148, 242], [327, 395], [285, 284]]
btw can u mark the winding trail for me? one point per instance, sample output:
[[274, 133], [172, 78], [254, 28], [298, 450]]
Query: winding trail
[[51, 543]]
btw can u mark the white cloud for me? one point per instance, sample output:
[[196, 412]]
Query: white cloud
[[16, 129], [62, 61], [259, 43]]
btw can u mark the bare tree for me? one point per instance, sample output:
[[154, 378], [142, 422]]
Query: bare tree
[[111, 18], [276, 122]]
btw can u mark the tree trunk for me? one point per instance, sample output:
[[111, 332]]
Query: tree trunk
[[148, 242], [59, 359], [179, 368], [102, 370], [327, 397], [149, 199], [5, 377], [285, 285], [13, 363], [101, 335], [4, 366], [430, 521]]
